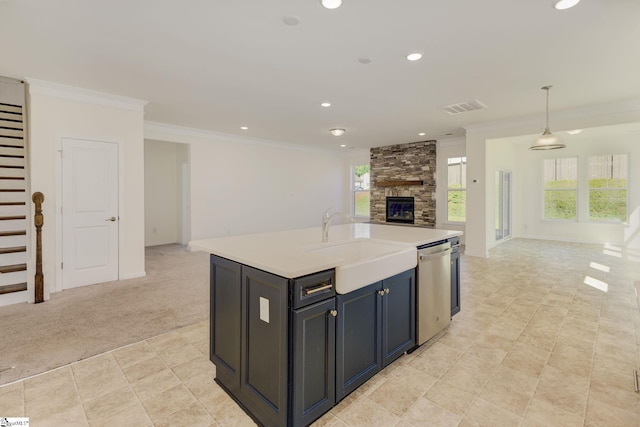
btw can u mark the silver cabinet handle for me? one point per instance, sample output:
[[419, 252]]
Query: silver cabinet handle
[[113, 218], [334, 313], [321, 288]]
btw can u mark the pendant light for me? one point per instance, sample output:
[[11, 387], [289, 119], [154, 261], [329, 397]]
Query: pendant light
[[547, 141]]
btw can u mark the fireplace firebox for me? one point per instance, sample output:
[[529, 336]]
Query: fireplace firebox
[[400, 209]]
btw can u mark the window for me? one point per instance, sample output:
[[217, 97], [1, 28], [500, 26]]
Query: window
[[361, 192], [608, 187], [560, 188], [457, 189]]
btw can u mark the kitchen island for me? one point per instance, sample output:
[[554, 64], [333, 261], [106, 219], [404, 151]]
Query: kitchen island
[[290, 333]]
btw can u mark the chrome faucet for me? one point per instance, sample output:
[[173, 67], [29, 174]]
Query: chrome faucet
[[327, 216]]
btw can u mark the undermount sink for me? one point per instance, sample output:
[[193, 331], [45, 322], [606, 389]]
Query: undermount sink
[[366, 261]]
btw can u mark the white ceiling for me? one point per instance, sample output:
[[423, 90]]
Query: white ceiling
[[222, 64]]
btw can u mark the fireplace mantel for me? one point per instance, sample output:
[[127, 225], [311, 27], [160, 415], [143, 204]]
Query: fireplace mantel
[[398, 183]]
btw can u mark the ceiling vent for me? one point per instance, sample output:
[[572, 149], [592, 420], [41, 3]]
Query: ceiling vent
[[463, 107]]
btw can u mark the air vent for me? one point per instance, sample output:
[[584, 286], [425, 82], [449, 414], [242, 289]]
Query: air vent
[[463, 107]]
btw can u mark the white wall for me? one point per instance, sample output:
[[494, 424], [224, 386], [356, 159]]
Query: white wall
[[501, 155], [479, 229], [446, 148], [163, 192], [241, 185], [56, 112]]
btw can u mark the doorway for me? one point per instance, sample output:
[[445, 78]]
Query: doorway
[[166, 193], [503, 205], [90, 217]]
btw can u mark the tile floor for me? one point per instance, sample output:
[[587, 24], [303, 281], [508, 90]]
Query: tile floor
[[534, 345]]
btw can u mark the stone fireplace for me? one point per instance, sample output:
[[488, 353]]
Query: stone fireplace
[[408, 171]]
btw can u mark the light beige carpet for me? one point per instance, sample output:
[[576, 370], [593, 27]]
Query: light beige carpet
[[79, 323]]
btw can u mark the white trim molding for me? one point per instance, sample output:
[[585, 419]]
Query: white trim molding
[[72, 93]]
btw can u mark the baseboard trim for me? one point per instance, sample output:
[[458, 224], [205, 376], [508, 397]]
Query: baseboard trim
[[133, 275]]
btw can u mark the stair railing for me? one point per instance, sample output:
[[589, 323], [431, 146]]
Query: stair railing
[[38, 221]]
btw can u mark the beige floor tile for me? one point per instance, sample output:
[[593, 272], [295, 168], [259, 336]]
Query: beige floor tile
[[601, 414], [483, 413], [395, 396], [133, 415], [201, 385], [543, 414], [98, 382], [179, 354], [487, 351], [193, 415], [144, 369], [455, 342], [431, 365], [71, 416], [165, 403], [621, 399], [168, 340], [225, 411], [571, 359], [527, 359], [606, 377], [413, 378], [156, 383], [566, 391], [450, 396], [366, 413], [510, 389], [88, 366], [50, 394], [12, 400], [132, 354], [195, 333], [470, 379], [199, 366], [328, 420], [425, 412], [105, 406]]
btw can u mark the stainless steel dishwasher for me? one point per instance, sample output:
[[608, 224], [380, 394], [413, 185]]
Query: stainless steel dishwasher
[[434, 290]]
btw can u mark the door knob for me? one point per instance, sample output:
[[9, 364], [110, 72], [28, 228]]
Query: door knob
[[113, 218]]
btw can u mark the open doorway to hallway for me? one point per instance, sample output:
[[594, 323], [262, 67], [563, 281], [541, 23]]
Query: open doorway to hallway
[[166, 193]]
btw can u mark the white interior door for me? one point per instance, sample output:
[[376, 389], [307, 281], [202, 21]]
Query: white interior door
[[89, 212]]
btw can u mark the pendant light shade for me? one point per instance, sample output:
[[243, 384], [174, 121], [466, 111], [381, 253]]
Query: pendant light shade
[[547, 141]]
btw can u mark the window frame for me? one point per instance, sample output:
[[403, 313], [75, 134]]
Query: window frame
[[574, 189], [589, 189], [353, 191], [463, 182]]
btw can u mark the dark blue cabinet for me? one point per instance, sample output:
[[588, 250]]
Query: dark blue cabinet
[[358, 338], [375, 326], [225, 335], [398, 316], [264, 346], [314, 338]]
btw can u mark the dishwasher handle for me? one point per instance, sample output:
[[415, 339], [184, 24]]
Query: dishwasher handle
[[427, 257]]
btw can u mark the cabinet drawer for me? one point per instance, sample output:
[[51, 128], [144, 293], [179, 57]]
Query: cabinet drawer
[[313, 288]]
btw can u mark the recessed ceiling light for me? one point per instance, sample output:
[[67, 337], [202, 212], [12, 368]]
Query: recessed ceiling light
[[564, 4], [343, 145], [414, 56], [364, 60], [337, 132], [326, 104], [422, 134], [244, 128], [331, 4], [291, 20], [575, 131]]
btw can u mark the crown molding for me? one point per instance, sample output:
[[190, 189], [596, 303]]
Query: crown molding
[[174, 133], [72, 93], [535, 122]]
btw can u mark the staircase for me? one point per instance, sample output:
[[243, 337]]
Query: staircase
[[14, 206]]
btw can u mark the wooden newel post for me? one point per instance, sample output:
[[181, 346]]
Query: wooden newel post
[[38, 220]]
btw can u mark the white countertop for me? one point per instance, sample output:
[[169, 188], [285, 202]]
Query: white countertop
[[285, 253]]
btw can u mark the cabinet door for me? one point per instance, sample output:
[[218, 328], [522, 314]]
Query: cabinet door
[[224, 344], [358, 338], [264, 376], [314, 338], [398, 316], [455, 281]]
